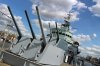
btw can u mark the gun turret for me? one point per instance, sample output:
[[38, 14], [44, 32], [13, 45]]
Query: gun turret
[[33, 35], [18, 30]]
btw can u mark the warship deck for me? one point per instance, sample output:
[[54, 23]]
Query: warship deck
[[3, 64], [65, 64]]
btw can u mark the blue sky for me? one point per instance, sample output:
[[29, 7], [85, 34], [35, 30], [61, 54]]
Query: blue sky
[[18, 7], [88, 23]]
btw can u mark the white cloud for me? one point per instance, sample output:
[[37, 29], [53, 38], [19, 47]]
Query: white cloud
[[98, 1], [3, 8], [96, 46], [83, 38], [80, 5], [38, 36], [53, 9], [4, 20], [20, 24], [95, 9], [73, 30], [92, 51], [46, 24], [56, 9], [74, 16], [94, 35]]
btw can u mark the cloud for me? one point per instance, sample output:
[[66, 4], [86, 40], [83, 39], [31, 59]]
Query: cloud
[[56, 9], [94, 35], [96, 46], [83, 38], [46, 24], [20, 24], [38, 36], [4, 20], [53, 9], [95, 9], [73, 30], [92, 51], [74, 16], [81, 5]]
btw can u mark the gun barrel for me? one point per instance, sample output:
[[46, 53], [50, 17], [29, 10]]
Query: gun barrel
[[43, 36], [14, 22], [57, 32], [32, 32]]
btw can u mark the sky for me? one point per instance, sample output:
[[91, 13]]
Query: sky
[[85, 17]]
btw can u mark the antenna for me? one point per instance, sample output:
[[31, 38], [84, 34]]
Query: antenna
[[33, 35], [41, 27], [19, 32]]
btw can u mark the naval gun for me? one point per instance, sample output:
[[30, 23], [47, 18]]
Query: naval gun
[[19, 32], [22, 41]]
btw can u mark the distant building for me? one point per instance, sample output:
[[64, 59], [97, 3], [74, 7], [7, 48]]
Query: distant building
[[8, 36], [88, 58]]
